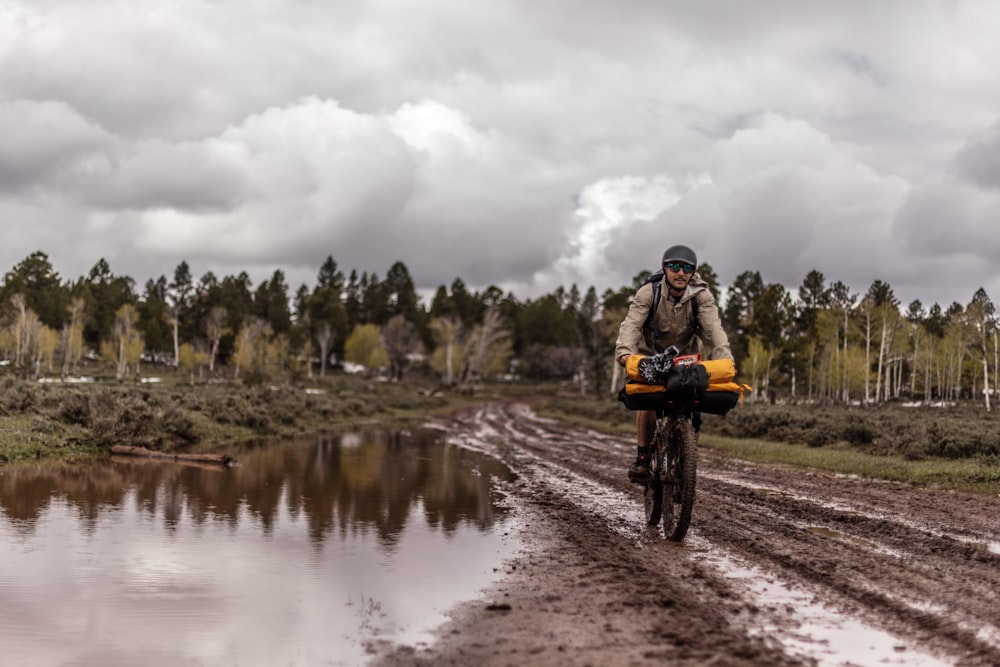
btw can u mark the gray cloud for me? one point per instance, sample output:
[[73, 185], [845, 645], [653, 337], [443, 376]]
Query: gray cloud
[[520, 144], [44, 140], [979, 160]]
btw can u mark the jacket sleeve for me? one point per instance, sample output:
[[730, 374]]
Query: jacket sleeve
[[630, 332], [715, 341]]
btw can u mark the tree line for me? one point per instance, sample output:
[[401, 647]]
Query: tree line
[[823, 344], [831, 345]]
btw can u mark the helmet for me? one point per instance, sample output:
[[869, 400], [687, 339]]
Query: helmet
[[680, 253]]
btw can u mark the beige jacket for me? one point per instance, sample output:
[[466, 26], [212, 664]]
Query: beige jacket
[[672, 323]]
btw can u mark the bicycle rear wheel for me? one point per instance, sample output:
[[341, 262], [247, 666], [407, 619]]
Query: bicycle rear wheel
[[679, 479]]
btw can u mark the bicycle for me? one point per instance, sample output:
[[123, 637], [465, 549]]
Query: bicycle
[[691, 387], [669, 493]]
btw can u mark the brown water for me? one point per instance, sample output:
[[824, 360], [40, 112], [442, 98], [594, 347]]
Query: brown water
[[301, 555]]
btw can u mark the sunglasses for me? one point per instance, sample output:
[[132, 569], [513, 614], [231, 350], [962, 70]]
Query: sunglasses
[[680, 266]]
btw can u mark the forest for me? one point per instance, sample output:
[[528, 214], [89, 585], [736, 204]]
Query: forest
[[822, 344]]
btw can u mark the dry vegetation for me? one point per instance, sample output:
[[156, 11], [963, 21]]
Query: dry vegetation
[[41, 420], [54, 419], [956, 446], [893, 429]]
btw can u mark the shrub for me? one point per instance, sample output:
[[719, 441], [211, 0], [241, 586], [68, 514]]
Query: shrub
[[76, 410], [859, 433], [912, 432], [17, 396], [121, 419], [176, 423]]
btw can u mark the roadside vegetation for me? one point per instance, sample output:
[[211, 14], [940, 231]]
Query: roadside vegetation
[[91, 362], [954, 446], [73, 420]]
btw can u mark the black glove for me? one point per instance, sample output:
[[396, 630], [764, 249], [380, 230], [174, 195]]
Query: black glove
[[654, 369]]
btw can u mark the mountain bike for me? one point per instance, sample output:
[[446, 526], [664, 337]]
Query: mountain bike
[[669, 492], [687, 391]]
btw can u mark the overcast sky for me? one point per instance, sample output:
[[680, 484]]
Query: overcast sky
[[517, 143]]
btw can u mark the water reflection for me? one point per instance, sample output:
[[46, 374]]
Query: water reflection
[[298, 556]]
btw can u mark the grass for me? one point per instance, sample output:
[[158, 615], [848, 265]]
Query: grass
[[972, 475], [33, 437], [951, 448]]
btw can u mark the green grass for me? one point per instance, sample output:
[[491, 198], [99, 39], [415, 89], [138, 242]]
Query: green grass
[[973, 475], [33, 437]]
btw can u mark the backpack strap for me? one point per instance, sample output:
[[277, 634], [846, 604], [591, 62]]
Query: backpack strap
[[657, 280], [695, 324]]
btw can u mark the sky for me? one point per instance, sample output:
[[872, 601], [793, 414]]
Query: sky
[[523, 144]]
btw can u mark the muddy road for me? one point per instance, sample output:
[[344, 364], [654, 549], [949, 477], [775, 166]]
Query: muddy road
[[780, 566]]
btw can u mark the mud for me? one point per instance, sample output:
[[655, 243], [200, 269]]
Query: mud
[[780, 566]]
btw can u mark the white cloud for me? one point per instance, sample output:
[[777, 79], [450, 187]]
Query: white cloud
[[607, 210], [520, 144], [303, 177]]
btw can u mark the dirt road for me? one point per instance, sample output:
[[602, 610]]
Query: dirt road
[[780, 567]]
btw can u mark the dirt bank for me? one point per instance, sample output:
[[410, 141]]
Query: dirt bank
[[780, 567]]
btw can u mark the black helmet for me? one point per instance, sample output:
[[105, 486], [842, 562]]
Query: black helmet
[[680, 253]]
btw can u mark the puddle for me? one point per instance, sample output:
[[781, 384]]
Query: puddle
[[303, 555]]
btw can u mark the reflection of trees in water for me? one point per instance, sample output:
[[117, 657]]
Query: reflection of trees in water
[[345, 483]]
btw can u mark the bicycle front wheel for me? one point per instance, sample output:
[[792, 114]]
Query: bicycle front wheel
[[679, 479], [653, 495], [654, 501]]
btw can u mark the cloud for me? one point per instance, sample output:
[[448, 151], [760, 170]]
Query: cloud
[[606, 211], [946, 233], [156, 175], [46, 141], [978, 161], [299, 179], [293, 184], [777, 196], [519, 144]]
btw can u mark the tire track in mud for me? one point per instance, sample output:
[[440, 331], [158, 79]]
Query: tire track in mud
[[594, 587], [917, 564], [881, 565]]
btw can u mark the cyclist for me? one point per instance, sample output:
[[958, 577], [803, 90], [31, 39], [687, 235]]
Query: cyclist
[[686, 314]]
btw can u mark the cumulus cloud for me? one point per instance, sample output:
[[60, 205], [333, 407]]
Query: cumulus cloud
[[777, 196], [291, 185], [515, 144], [301, 177], [591, 252], [46, 140], [979, 160]]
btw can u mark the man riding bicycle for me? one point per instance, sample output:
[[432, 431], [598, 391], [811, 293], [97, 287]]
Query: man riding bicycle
[[685, 314]]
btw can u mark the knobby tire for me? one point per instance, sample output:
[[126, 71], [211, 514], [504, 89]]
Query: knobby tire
[[653, 495], [654, 502], [679, 475]]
